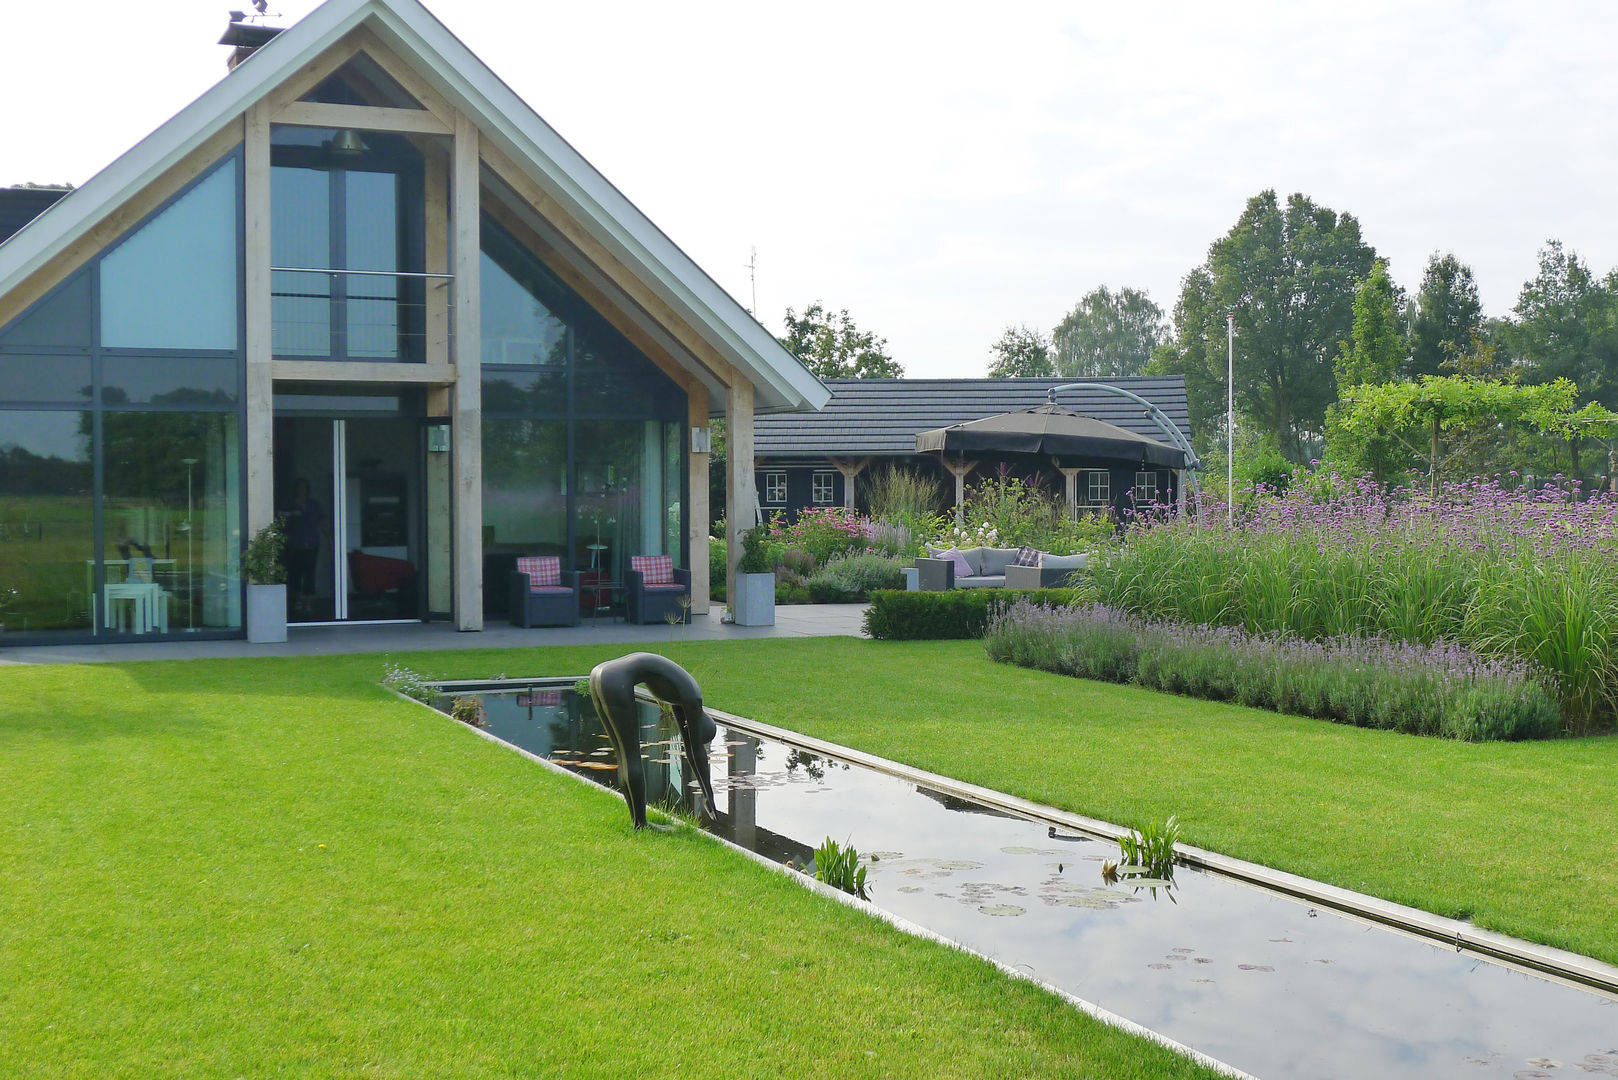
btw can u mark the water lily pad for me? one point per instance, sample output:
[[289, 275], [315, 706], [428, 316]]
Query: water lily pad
[[1001, 910], [1161, 967], [1149, 883], [1131, 869], [1021, 850], [911, 889], [1255, 967], [957, 864], [887, 854]]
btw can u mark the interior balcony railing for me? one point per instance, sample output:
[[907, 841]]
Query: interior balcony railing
[[359, 315]]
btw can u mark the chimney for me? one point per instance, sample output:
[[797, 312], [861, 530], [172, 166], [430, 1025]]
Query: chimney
[[246, 37]]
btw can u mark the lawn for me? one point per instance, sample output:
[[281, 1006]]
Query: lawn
[[1517, 837], [273, 868]]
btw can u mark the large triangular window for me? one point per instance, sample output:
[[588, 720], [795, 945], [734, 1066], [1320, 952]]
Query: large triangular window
[[362, 81]]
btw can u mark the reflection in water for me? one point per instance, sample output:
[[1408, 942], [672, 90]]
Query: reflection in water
[[1257, 980]]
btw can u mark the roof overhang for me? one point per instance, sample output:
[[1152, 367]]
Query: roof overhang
[[780, 381]]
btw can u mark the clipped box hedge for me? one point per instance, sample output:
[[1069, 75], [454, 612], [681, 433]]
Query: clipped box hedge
[[895, 615]]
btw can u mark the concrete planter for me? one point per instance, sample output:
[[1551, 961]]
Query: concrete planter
[[266, 613], [754, 604]]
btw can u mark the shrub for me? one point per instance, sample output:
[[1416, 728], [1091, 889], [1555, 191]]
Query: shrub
[[1007, 512], [755, 552], [262, 563], [1525, 573], [822, 532], [952, 615], [1437, 689], [716, 568], [846, 579], [902, 495]]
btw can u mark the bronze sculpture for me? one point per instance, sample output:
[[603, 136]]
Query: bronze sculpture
[[612, 688]]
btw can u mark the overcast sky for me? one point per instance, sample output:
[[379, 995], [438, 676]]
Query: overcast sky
[[944, 170]]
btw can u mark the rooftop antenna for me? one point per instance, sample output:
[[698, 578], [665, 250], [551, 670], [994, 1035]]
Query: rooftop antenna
[[752, 278]]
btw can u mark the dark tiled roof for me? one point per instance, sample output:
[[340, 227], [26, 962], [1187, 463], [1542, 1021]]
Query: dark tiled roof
[[883, 416], [19, 206]]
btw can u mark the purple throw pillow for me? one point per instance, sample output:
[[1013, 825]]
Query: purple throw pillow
[[962, 567], [1026, 556]]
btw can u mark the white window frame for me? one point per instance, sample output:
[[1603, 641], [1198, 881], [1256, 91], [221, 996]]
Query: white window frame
[[830, 489], [1097, 487], [775, 488], [1143, 482]]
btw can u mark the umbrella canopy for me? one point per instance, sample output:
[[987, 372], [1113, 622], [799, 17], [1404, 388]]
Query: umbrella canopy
[[1053, 431]]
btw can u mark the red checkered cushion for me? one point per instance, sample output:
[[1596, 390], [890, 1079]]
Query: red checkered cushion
[[542, 570], [654, 569]]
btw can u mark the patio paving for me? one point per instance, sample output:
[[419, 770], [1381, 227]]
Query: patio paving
[[797, 620]]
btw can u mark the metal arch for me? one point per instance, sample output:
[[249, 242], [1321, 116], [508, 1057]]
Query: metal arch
[[1164, 422]]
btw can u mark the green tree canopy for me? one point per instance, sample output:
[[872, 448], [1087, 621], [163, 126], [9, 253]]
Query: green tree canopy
[[1108, 333], [1448, 316], [1567, 326], [832, 347], [1289, 273], [1375, 349], [1425, 414], [1021, 353]]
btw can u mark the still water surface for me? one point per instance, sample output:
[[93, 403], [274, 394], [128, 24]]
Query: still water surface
[[1263, 982]]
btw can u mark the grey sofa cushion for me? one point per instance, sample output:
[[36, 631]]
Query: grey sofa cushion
[[974, 558], [1064, 562], [995, 560], [981, 581]]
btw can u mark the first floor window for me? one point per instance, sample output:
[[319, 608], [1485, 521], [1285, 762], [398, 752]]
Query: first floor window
[[1097, 488], [1145, 488], [775, 487], [821, 489]]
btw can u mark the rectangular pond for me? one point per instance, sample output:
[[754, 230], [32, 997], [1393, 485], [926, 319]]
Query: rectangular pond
[[1264, 982]]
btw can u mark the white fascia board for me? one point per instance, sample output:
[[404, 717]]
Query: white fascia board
[[781, 380], [81, 210]]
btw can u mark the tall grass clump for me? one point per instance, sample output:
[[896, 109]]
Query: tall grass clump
[[1508, 573], [1437, 689]]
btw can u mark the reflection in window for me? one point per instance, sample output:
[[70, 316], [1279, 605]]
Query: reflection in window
[[1097, 487], [775, 487], [1145, 491], [45, 378], [525, 486], [61, 320], [172, 284], [518, 326], [169, 381], [47, 522], [542, 391], [171, 512], [822, 489]]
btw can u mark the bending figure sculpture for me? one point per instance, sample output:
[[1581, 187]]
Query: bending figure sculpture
[[612, 688]]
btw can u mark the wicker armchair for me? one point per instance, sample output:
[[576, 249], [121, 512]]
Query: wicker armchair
[[541, 594]]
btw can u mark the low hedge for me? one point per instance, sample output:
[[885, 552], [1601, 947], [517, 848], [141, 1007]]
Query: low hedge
[[895, 615]]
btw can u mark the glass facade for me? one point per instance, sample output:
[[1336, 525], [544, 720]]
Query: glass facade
[[120, 419], [347, 232], [583, 436]]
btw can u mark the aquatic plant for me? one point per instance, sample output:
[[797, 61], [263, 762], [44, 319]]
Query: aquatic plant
[[1150, 851], [1438, 689], [839, 867], [469, 710], [412, 684]]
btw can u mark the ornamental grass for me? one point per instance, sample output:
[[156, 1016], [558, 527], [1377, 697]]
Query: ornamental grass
[[1508, 573], [1437, 689]]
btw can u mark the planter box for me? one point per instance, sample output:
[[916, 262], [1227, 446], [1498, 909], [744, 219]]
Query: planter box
[[266, 613], [754, 604]]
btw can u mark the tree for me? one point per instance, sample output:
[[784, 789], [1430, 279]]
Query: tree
[[1108, 333], [1373, 354], [1565, 326], [1448, 316], [1289, 274], [832, 347], [1021, 353], [1424, 415], [1199, 322]]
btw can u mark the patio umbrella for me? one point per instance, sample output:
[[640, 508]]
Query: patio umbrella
[[1054, 432]]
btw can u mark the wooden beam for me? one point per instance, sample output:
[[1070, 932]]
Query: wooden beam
[[313, 73], [259, 437], [364, 117], [436, 217], [739, 497], [596, 254], [119, 221], [850, 468], [467, 421], [697, 508], [363, 371], [959, 470], [405, 75]]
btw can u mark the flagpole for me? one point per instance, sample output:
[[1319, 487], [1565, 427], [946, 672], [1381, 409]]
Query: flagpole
[[1230, 421]]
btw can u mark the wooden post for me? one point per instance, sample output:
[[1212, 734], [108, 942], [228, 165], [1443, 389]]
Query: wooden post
[[1072, 478], [259, 437], [959, 470], [697, 509], [739, 496], [467, 433], [850, 468]]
